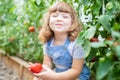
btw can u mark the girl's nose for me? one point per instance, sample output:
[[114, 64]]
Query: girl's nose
[[59, 18]]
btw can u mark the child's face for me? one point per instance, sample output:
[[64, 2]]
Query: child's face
[[60, 21]]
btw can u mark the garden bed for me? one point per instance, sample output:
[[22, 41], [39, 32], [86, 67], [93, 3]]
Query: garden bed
[[6, 73], [17, 65]]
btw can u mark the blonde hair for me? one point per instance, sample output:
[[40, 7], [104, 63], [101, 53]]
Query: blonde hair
[[46, 33]]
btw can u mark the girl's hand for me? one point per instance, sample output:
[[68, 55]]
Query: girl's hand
[[48, 74], [30, 63]]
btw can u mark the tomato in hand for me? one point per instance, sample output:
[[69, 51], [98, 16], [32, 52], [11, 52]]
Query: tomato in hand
[[36, 67]]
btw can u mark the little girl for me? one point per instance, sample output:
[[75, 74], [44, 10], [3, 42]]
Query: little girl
[[59, 33]]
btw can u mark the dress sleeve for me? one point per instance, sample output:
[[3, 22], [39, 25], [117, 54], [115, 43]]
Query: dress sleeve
[[78, 52]]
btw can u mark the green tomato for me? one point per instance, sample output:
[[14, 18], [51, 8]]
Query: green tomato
[[109, 5], [102, 59]]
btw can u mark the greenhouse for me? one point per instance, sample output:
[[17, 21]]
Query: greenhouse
[[22, 21]]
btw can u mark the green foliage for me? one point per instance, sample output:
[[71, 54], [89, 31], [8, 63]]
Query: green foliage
[[15, 38], [101, 20]]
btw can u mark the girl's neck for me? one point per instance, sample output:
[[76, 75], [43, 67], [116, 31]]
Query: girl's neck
[[60, 39]]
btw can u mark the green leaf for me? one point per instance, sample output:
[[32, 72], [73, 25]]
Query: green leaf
[[116, 34], [85, 2], [117, 49], [115, 73], [105, 21], [104, 68], [96, 7], [90, 32], [116, 26], [86, 43], [92, 54], [87, 47], [81, 37], [38, 2], [97, 44]]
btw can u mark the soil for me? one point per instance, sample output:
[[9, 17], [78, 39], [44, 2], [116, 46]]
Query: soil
[[7, 74]]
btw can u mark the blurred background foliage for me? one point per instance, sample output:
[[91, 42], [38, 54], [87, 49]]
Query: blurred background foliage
[[20, 22]]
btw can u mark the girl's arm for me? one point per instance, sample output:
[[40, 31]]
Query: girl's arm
[[47, 62], [72, 73]]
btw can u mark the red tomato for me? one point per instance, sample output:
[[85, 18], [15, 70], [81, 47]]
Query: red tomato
[[94, 40], [93, 59], [116, 43], [31, 29], [109, 38], [36, 67]]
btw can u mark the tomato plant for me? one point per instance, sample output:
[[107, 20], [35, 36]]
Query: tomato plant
[[100, 37]]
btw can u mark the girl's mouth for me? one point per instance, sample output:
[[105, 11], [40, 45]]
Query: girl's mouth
[[58, 24]]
